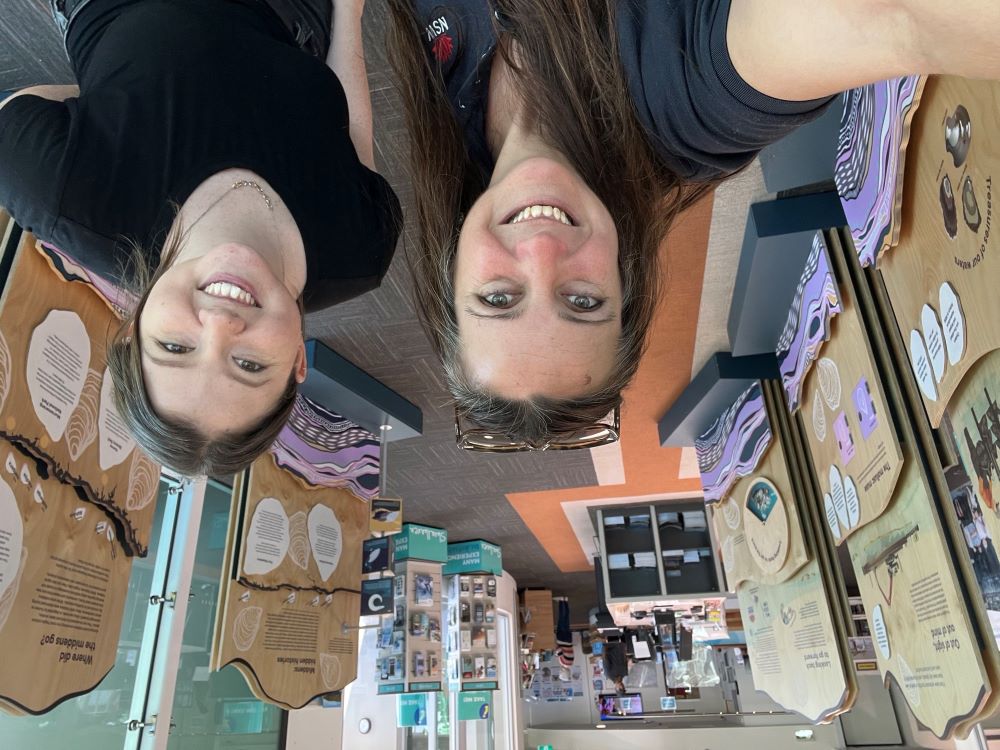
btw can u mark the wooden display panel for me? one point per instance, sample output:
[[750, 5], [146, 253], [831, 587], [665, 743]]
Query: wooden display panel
[[538, 604], [291, 588], [823, 550], [903, 394], [942, 277], [759, 543], [793, 645], [852, 441], [924, 636], [63, 585], [55, 394]]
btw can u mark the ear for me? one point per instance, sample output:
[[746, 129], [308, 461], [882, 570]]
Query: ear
[[301, 369]]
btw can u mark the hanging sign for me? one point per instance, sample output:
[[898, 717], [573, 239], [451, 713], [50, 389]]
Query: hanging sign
[[474, 705], [376, 596]]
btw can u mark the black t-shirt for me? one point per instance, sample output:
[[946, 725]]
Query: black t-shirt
[[704, 120], [172, 92]]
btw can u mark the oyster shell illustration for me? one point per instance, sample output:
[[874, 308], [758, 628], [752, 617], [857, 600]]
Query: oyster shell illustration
[[246, 626], [10, 593], [819, 418], [143, 477], [329, 668], [81, 430], [829, 382], [298, 540], [6, 372]]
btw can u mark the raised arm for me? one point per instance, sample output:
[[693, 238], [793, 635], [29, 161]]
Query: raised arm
[[806, 49], [52, 92], [346, 58]]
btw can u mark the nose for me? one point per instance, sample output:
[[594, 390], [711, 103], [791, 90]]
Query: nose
[[542, 246], [220, 321]]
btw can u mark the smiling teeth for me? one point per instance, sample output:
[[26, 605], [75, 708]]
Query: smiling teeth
[[536, 211], [230, 291]]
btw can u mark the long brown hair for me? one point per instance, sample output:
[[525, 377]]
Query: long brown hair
[[567, 58], [178, 444]]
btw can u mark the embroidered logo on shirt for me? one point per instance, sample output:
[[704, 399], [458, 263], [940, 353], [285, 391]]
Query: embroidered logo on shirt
[[441, 35]]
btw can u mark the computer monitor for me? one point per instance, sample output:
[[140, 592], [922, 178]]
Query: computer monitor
[[629, 704]]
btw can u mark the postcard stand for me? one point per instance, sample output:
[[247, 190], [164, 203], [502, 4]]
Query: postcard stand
[[470, 578], [410, 655]]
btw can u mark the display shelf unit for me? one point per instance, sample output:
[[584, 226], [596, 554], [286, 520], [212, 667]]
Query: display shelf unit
[[410, 655], [655, 551], [472, 632], [471, 576]]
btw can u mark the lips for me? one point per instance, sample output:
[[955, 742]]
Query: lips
[[231, 291]]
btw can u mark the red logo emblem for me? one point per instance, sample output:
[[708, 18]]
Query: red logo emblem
[[442, 47]]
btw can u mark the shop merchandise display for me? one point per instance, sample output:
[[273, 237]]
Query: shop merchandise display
[[77, 498], [410, 649], [472, 632], [470, 614], [292, 588]]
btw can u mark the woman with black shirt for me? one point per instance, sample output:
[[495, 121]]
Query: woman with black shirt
[[212, 153], [554, 141]]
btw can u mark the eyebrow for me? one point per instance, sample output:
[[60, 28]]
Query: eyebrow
[[515, 314], [171, 362]]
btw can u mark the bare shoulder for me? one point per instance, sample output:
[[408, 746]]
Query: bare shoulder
[[56, 93]]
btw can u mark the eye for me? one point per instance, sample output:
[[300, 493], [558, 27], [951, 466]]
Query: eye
[[173, 348], [247, 365], [584, 302], [498, 299]]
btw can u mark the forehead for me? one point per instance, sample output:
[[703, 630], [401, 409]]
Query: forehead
[[519, 360]]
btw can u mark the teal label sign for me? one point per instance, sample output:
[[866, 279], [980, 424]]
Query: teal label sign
[[474, 705], [487, 685], [424, 687], [411, 710], [389, 689], [476, 556], [416, 542]]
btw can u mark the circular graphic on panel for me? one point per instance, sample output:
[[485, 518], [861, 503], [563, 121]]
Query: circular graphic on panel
[[765, 523]]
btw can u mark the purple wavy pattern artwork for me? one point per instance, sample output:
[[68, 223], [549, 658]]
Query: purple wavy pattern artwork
[[325, 449], [733, 446], [874, 131], [67, 267], [815, 304]]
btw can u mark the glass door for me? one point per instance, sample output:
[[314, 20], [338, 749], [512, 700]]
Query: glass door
[[99, 720], [214, 710]]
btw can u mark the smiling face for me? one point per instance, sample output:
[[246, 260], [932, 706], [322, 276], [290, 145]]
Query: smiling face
[[219, 335], [537, 291]]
